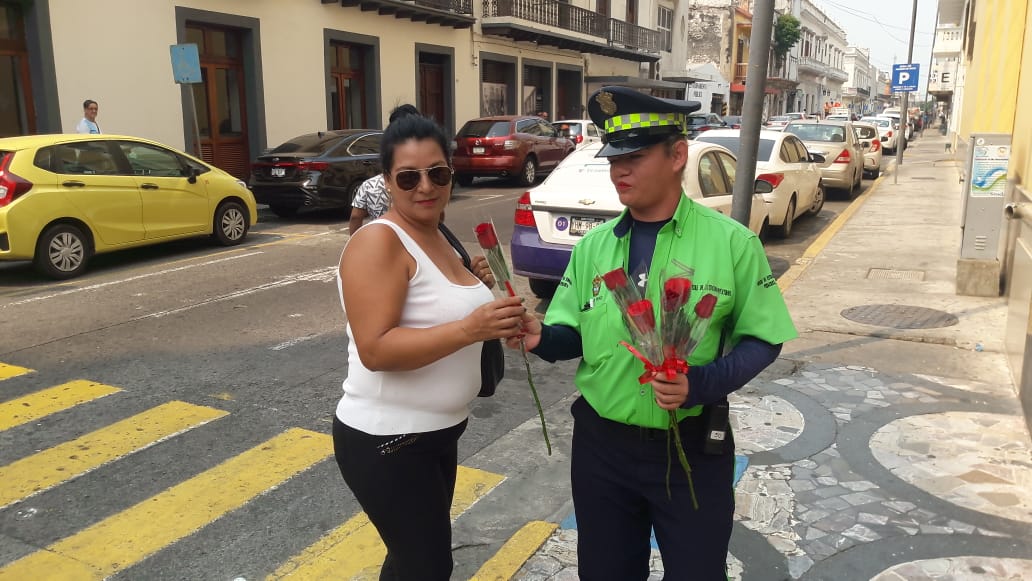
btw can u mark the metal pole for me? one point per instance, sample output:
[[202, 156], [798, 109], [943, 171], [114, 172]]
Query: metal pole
[[906, 99], [196, 127], [752, 110]]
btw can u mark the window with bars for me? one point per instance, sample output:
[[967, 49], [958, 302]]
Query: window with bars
[[664, 24]]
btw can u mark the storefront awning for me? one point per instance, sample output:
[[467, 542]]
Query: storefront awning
[[635, 82]]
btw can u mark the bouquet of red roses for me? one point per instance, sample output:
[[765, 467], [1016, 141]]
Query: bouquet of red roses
[[666, 348], [488, 240]]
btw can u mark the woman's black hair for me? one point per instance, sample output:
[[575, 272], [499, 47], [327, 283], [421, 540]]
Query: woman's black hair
[[407, 123]]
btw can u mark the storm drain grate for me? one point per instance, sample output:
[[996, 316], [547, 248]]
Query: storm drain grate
[[900, 316], [893, 274], [923, 178]]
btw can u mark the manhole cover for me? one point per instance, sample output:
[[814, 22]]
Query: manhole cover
[[899, 316]]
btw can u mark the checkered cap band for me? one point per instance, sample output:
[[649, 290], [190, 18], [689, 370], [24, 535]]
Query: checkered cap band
[[639, 120]]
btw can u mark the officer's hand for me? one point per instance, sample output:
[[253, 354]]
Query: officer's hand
[[531, 333], [478, 266], [670, 392]]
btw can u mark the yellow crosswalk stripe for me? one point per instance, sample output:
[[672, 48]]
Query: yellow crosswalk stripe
[[46, 469], [42, 403], [9, 371], [128, 537], [515, 552], [354, 549]]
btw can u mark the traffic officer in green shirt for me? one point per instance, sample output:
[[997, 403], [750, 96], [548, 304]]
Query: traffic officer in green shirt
[[620, 448]]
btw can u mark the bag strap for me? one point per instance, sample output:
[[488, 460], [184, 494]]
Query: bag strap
[[450, 237]]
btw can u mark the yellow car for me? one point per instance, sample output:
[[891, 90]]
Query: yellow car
[[64, 198]]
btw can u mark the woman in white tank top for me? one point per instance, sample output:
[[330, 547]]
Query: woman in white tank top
[[417, 319]]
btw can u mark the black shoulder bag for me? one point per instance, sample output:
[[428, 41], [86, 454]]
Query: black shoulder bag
[[492, 358]]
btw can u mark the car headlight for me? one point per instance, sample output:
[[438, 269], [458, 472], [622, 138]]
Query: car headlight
[[243, 184]]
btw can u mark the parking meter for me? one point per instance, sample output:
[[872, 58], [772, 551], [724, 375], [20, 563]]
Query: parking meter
[[984, 195]]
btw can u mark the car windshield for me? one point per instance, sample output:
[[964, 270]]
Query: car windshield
[[864, 132], [567, 129], [484, 128], [314, 143], [818, 132], [582, 172], [733, 143], [692, 120], [779, 118]]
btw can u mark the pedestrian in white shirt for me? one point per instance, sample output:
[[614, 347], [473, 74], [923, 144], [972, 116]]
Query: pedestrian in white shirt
[[89, 121]]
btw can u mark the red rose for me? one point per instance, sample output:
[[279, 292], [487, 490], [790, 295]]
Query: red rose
[[486, 235], [675, 293], [641, 315], [705, 306], [615, 279]]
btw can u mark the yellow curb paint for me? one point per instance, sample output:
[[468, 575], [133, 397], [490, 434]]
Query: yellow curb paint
[[822, 241], [130, 536], [42, 403], [49, 468], [9, 371], [515, 552], [354, 550]]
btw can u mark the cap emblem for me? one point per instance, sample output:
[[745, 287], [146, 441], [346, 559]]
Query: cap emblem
[[606, 103]]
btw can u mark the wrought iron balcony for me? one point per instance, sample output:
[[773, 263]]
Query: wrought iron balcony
[[593, 32], [741, 71], [453, 13]]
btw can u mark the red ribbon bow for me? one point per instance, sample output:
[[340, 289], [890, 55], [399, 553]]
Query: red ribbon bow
[[670, 366]]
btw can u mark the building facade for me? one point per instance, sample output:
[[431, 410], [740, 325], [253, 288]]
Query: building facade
[[274, 69], [821, 61], [858, 90]]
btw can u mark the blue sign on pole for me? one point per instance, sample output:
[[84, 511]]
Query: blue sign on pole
[[186, 64], [904, 78]]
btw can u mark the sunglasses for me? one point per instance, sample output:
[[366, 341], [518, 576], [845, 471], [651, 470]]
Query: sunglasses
[[408, 179]]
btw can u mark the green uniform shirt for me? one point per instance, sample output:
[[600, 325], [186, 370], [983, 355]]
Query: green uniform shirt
[[729, 262]]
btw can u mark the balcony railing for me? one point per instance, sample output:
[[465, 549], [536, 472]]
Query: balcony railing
[[837, 74], [576, 19], [741, 71], [812, 65]]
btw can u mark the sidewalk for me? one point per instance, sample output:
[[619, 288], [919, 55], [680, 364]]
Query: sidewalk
[[887, 442]]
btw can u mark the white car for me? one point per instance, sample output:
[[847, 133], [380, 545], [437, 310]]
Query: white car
[[887, 130], [579, 195], [871, 143], [782, 161], [580, 131]]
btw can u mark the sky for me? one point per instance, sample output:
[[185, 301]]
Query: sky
[[883, 26]]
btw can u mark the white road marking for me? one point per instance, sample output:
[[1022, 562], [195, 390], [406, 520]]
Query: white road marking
[[292, 342], [325, 274], [125, 280]]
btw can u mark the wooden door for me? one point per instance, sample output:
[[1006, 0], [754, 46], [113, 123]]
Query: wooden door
[[431, 91], [17, 115]]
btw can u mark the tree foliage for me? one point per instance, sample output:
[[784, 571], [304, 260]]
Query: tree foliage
[[786, 34]]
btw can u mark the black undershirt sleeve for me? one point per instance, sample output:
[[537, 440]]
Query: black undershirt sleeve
[[558, 343], [715, 380]]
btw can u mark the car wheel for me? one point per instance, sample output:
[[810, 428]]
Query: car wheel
[[818, 201], [785, 230], [464, 180], [543, 288], [529, 172], [875, 173], [62, 251], [230, 223], [284, 210], [764, 232]]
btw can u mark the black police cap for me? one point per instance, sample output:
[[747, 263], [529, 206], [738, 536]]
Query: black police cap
[[632, 120]]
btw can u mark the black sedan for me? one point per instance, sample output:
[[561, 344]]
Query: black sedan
[[699, 122], [316, 170]]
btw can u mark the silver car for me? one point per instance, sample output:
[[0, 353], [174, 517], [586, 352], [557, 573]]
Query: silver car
[[871, 143], [836, 141]]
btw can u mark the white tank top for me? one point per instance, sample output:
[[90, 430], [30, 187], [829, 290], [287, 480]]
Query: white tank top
[[435, 396]]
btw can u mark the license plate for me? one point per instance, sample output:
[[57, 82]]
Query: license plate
[[478, 151], [278, 172], [581, 226]]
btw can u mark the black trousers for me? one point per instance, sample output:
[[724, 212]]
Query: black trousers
[[405, 484], [619, 492]]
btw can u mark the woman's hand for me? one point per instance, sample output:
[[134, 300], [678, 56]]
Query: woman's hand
[[499, 319], [671, 393], [531, 333], [479, 267]]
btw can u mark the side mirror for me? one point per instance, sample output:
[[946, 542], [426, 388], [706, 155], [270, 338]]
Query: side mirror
[[865, 145], [884, 139], [817, 157], [194, 172], [762, 187]]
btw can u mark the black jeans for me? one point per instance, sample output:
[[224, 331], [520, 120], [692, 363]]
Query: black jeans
[[405, 484], [619, 492]]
